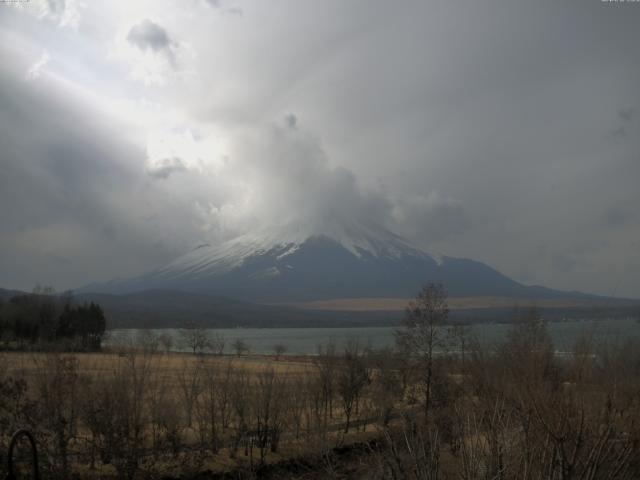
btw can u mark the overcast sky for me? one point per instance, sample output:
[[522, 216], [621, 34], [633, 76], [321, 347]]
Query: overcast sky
[[504, 131]]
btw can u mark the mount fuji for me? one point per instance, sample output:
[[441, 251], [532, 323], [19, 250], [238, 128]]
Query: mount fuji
[[304, 262]]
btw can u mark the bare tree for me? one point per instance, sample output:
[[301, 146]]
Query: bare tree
[[163, 411], [217, 343], [240, 347], [413, 454], [387, 384], [147, 340], [213, 406], [325, 362], [279, 349], [224, 407], [268, 403], [240, 396], [459, 335], [423, 334], [57, 384], [190, 383], [195, 338], [297, 401], [352, 378], [528, 350], [166, 341], [123, 400]]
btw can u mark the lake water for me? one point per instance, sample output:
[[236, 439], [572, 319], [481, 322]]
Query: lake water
[[306, 340]]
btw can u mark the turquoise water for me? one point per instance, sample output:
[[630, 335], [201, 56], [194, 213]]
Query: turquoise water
[[306, 340]]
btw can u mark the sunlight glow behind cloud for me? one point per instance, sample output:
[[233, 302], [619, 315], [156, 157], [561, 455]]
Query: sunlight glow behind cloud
[[148, 127]]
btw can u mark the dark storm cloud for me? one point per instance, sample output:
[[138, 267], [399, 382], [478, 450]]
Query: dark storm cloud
[[76, 204], [149, 35]]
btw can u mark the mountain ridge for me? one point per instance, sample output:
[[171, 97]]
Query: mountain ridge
[[305, 261], [176, 309]]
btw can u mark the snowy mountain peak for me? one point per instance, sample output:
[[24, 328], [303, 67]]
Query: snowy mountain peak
[[310, 260], [358, 239]]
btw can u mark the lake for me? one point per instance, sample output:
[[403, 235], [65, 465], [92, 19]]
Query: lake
[[306, 340]]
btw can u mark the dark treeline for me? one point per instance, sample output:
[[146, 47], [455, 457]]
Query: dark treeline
[[43, 319]]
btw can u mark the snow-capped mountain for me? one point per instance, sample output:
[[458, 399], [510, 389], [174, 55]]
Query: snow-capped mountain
[[305, 262]]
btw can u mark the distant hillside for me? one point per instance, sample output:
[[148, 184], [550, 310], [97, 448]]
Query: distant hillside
[[174, 309], [170, 309], [7, 294]]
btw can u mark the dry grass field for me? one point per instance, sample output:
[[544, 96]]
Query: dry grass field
[[179, 413], [96, 363]]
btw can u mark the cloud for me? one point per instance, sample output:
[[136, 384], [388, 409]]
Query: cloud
[[282, 174], [165, 167], [66, 13], [234, 10], [84, 194], [627, 114], [618, 133], [148, 35], [151, 53], [36, 69], [57, 7], [431, 218], [617, 216], [231, 10], [276, 175], [291, 120]]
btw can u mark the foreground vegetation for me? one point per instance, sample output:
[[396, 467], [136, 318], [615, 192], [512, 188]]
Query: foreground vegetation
[[437, 406]]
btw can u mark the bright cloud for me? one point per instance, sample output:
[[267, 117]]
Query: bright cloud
[[36, 69]]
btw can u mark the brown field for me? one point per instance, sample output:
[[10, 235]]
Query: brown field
[[94, 363]]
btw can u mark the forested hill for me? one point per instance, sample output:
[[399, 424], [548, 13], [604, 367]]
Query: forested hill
[[42, 319]]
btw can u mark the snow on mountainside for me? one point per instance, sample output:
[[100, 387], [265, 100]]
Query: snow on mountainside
[[304, 261], [358, 239]]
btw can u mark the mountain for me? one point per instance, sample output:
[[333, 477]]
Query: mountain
[[6, 294], [305, 262]]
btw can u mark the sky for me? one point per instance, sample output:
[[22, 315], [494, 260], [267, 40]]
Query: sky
[[506, 131]]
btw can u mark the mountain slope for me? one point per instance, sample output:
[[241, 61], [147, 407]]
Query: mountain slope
[[300, 262]]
